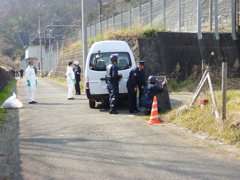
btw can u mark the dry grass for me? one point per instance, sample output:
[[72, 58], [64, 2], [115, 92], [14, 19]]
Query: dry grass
[[134, 31], [59, 81], [203, 119]]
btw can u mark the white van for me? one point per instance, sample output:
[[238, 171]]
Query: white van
[[95, 71]]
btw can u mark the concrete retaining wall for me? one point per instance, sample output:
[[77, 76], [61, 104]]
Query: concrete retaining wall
[[64, 59], [185, 51], [5, 77], [171, 53]]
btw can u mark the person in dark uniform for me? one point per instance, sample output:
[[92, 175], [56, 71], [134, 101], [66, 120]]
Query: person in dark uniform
[[13, 72], [16, 73], [21, 73], [35, 69], [112, 83], [134, 79], [142, 83], [77, 72], [150, 91]]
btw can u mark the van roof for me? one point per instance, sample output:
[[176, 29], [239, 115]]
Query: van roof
[[110, 46]]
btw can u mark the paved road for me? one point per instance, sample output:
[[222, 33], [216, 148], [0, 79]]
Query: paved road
[[61, 139]]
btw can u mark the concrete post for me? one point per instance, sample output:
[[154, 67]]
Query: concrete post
[[139, 13], [89, 31], [106, 23], [52, 60], [129, 17], [210, 14], [77, 35], [199, 19], [233, 17], [113, 22], [84, 26], [100, 27], [120, 19], [57, 53], [164, 12], [179, 15], [94, 29], [150, 11], [216, 20], [224, 90], [80, 33]]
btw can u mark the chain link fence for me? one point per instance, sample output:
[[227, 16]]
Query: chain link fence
[[175, 15]]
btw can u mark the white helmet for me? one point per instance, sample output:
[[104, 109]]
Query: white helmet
[[76, 63]]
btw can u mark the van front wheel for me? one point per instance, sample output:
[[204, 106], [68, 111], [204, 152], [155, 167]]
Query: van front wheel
[[92, 103]]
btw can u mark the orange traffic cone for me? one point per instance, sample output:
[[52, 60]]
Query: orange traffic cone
[[154, 113]]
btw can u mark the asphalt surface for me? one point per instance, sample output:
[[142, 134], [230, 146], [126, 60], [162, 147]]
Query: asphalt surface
[[61, 139]]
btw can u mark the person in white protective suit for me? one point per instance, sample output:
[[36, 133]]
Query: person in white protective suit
[[31, 82], [70, 79]]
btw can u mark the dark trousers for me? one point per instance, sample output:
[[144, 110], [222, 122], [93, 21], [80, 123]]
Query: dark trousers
[[77, 87], [147, 103], [21, 75], [132, 98], [113, 91]]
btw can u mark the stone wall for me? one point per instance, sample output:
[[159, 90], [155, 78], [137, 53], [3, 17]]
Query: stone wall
[[170, 53], [60, 71], [5, 77], [181, 52]]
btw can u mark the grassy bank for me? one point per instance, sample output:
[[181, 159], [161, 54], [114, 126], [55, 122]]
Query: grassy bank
[[203, 119], [182, 86], [5, 94], [134, 31]]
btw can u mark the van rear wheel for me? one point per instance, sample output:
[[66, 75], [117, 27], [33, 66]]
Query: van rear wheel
[[92, 103]]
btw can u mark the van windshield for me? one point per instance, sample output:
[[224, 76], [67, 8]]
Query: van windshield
[[99, 61]]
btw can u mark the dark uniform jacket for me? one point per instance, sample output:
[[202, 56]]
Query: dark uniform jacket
[[151, 90], [77, 72], [136, 77], [112, 73]]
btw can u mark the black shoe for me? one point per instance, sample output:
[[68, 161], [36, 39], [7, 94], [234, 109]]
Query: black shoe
[[31, 103], [138, 110], [71, 98], [133, 111], [113, 111], [140, 105], [34, 102]]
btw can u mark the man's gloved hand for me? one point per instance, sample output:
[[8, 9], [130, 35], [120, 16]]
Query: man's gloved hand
[[29, 84], [36, 82], [75, 81]]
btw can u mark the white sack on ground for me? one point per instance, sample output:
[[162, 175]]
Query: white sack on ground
[[12, 103]]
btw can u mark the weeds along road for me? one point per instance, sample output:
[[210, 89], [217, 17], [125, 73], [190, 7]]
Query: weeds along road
[[61, 139]]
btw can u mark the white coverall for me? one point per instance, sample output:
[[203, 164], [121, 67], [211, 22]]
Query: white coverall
[[31, 76], [70, 76]]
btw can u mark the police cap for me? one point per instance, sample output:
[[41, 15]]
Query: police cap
[[142, 62]]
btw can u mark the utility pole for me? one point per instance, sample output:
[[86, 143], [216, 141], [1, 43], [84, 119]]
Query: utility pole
[[84, 33], [40, 39], [49, 44]]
